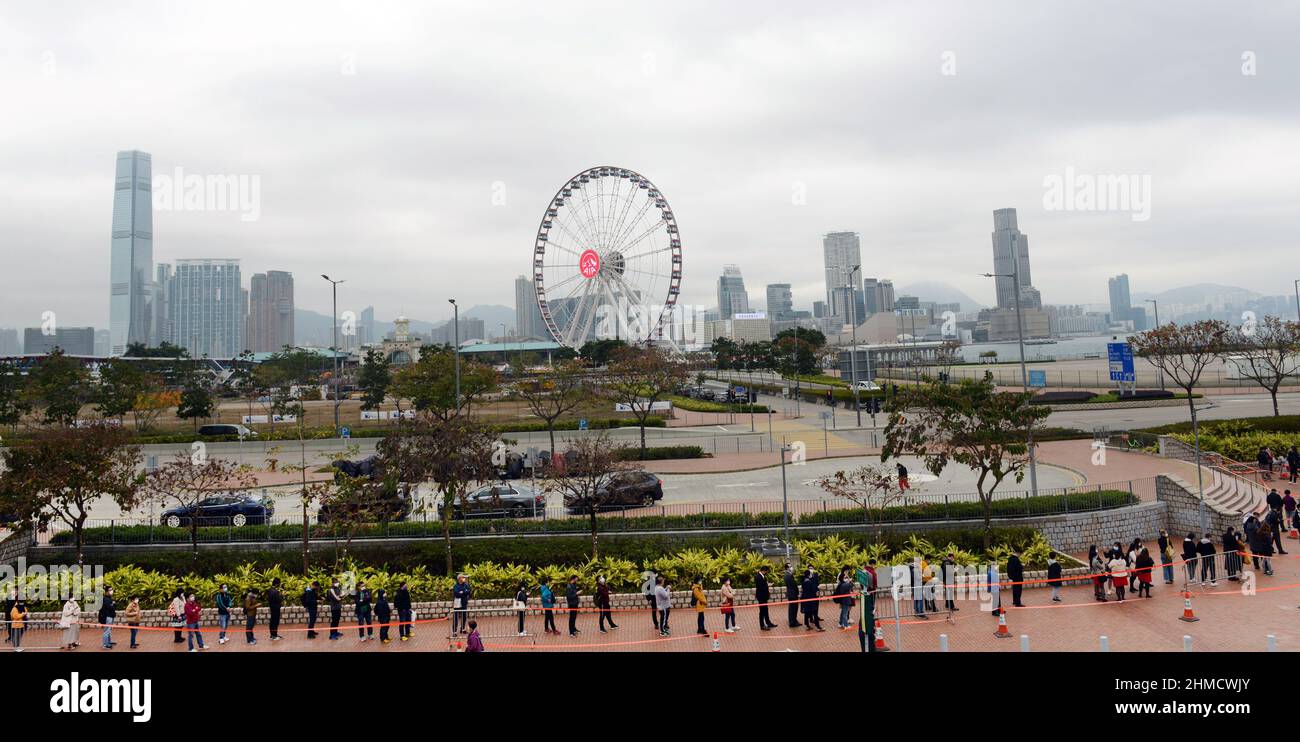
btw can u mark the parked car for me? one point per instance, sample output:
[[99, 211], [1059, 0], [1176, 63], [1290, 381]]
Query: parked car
[[499, 500], [517, 465], [219, 510], [224, 429], [624, 490], [866, 386], [381, 500]]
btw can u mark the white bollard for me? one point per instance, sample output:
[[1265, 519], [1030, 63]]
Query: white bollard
[[1024, 642], [1272, 643], [1187, 643], [943, 642], [1105, 643]]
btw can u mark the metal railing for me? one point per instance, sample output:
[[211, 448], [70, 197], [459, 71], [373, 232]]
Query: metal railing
[[713, 516]]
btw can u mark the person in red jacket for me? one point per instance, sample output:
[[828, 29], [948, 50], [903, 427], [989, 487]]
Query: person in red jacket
[[193, 612]]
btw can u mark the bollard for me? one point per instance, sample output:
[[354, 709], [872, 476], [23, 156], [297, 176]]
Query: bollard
[[1024, 642], [1272, 643], [943, 642], [1105, 643], [717, 645], [1187, 643]]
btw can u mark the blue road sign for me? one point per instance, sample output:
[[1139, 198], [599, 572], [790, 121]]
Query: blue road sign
[[345, 433], [740, 390], [582, 424], [1120, 356], [1037, 378]]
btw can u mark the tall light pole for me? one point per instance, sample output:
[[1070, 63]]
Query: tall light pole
[[1160, 371], [1024, 372], [334, 350], [455, 309], [785, 504], [853, 349], [1297, 299]]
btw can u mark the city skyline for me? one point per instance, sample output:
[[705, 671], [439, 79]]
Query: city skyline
[[457, 189]]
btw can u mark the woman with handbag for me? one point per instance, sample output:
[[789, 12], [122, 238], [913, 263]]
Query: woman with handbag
[[70, 622], [701, 603], [728, 607], [176, 616]]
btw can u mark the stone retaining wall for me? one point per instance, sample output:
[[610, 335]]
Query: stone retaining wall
[[1184, 509]]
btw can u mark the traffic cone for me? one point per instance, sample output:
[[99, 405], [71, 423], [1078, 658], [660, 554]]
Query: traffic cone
[[717, 646], [1188, 616], [880, 638], [1003, 632]]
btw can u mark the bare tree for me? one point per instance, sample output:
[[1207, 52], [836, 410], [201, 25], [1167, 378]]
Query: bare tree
[[1182, 352], [555, 393], [587, 477], [870, 486], [640, 377], [1267, 353], [189, 479]]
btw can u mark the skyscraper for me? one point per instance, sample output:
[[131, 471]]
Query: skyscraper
[[528, 316], [1011, 247], [732, 298], [780, 301], [162, 331], [130, 313], [1120, 299], [207, 307], [842, 251], [270, 312]]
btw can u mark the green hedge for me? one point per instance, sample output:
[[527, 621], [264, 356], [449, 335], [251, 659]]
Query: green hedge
[[659, 453]]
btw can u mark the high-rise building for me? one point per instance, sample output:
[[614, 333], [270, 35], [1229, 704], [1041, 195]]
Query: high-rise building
[[207, 307], [842, 251], [9, 345], [162, 330], [471, 328], [819, 309], [367, 326], [270, 312], [73, 341], [780, 301], [1011, 250], [130, 313], [102, 343], [871, 295], [732, 297], [1120, 299], [528, 316]]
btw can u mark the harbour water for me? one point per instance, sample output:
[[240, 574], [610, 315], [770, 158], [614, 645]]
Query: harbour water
[[1063, 349]]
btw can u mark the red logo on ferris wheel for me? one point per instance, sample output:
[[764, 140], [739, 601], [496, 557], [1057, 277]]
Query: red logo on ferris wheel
[[589, 264]]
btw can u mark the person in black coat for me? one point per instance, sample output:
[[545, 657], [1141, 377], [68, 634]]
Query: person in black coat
[[1276, 522], [107, 613], [571, 593], [274, 602], [361, 606], [402, 602], [1189, 556], [808, 598], [310, 601], [1054, 577], [1016, 574], [791, 596], [1206, 551], [383, 615], [335, 598], [762, 594]]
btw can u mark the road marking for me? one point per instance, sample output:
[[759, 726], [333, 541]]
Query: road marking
[[744, 484]]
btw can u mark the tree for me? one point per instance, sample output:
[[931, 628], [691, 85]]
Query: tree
[[63, 471], [14, 402], [164, 350], [430, 383], [196, 400], [725, 353], [152, 402], [968, 422], [188, 479], [454, 452], [120, 384], [600, 352], [555, 393], [869, 486], [590, 466], [1268, 353], [1182, 352], [639, 377], [374, 379], [57, 385], [281, 374]]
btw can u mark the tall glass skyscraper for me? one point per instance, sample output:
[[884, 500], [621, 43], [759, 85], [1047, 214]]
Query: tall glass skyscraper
[[130, 310], [842, 251], [207, 307], [732, 297], [1011, 250]]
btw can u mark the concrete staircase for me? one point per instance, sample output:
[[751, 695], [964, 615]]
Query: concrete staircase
[[1231, 491]]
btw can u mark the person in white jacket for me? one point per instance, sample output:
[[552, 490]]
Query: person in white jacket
[[70, 622]]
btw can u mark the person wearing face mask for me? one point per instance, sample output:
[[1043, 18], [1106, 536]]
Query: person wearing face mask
[[223, 613], [335, 598], [107, 613], [603, 602]]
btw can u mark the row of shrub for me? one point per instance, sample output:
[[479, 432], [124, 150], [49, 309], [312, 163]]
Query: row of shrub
[[1270, 424], [703, 405], [704, 520], [501, 576], [659, 453]]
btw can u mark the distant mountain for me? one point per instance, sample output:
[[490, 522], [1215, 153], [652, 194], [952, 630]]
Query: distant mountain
[[1201, 294], [941, 293], [492, 315]]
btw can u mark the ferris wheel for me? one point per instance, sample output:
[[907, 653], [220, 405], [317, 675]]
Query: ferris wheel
[[608, 259]]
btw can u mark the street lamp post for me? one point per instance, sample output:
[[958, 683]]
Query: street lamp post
[[853, 349], [456, 336], [334, 350], [1160, 371], [785, 504], [1297, 299], [1024, 372]]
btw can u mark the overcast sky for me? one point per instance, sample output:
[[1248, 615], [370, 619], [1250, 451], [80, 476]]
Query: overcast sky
[[378, 131]]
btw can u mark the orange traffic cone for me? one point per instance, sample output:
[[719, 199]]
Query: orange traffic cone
[[717, 646], [1188, 616], [880, 638], [1003, 632]]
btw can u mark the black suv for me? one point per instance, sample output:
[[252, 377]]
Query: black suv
[[499, 500], [624, 490]]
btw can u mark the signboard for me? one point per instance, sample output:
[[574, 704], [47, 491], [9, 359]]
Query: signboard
[[284, 418], [1120, 356], [663, 405], [345, 433], [1037, 378], [589, 263], [387, 414], [582, 424], [251, 419], [740, 390]]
